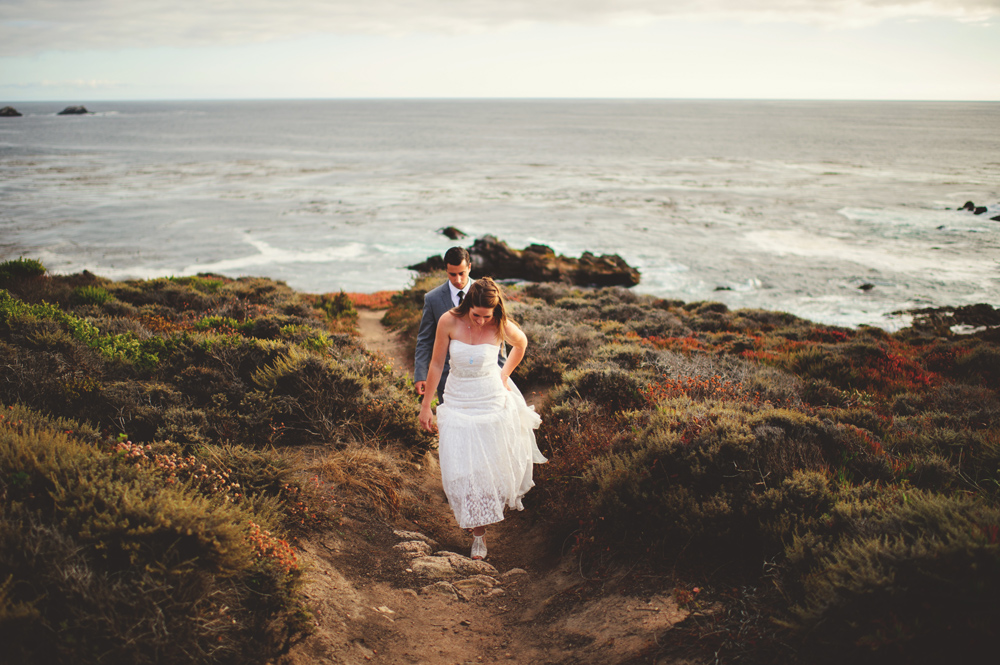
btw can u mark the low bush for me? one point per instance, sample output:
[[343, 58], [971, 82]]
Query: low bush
[[695, 475], [20, 268], [372, 477], [340, 312], [906, 576], [606, 386], [555, 350], [102, 562], [189, 374], [90, 295]]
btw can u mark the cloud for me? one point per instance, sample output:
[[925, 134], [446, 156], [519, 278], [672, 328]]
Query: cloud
[[32, 26]]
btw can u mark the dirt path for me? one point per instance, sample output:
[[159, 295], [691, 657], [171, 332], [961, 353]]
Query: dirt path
[[380, 339], [404, 593]]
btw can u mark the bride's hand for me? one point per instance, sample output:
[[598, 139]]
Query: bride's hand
[[503, 379], [427, 420]]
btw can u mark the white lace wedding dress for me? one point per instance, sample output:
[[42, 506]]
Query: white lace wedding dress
[[487, 439]]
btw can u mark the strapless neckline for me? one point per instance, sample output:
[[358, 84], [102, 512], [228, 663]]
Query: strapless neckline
[[495, 346]]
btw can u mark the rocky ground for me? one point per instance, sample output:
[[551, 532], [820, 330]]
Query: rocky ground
[[392, 590]]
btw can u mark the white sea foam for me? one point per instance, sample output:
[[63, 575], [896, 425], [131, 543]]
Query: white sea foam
[[347, 194], [268, 255], [899, 258]]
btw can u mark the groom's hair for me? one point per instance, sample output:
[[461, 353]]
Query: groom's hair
[[455, 256]]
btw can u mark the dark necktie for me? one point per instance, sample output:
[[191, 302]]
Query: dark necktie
[[461, 297]]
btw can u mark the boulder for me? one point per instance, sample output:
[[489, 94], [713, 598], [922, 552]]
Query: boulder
[[441, 589], [467, 566], [74, 110], [452, 233], [969, 205], [469, 587], [941, 319], [475, 582], [979, 210], [415, 535], [434, 567], [539, 263], [515, 573], [995, 219], [9, 112], [413, 548], [977, 315]]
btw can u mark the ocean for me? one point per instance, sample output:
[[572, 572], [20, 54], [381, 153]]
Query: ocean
[[783, 205]]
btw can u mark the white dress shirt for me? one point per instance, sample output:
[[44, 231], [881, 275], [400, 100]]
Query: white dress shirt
[[454, 292]]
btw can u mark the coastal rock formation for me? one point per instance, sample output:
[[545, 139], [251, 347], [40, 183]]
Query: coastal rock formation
[[974, 209], [539, 263], [452, 233], [942, 319], [74, 110], [9, 112]]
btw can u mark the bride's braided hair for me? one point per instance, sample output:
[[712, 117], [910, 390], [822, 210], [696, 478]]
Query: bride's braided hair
[[484, 292]]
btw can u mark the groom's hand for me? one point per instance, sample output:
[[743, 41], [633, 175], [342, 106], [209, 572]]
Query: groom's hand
[[421, 387]]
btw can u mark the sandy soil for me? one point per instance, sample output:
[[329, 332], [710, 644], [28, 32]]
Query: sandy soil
[[380, 339], [392, 593]]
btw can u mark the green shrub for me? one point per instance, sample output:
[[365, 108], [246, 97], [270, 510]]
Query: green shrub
[[554, 350], [125, 348], [798, 505], [607, 386], [683, 478], [627, 356], [910, 579], [983, 363], [20, 268], [204, 283], [162, 293], [90, 295], [101, 562], [337, 306], [224, 324]]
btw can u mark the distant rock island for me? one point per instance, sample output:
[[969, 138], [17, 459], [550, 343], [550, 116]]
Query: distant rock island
[[452, 232], [978, 210], [9, 112], [74, 110], [539, 263]]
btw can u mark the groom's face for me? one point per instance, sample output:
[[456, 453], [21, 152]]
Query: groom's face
[[459, 275]]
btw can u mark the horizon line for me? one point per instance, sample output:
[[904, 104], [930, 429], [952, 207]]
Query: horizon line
[[495, 99]]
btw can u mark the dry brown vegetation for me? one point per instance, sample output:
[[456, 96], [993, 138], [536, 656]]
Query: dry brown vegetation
[[170, 449]]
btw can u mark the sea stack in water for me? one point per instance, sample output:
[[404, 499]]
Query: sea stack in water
[[9, 112], [539, 263], [452, 233], [74, 110]]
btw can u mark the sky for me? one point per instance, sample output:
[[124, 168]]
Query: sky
[[92, 50]]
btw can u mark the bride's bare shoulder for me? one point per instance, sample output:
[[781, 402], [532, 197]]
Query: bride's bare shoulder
[[449, 320]]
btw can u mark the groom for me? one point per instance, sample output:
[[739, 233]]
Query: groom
[[439, 300]]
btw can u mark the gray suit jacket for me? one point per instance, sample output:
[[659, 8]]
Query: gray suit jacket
[[436, 302]]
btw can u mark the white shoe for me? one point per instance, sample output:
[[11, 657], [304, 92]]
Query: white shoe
[[478, 547]]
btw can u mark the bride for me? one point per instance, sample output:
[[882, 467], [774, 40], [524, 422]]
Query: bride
[[487, 441]]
